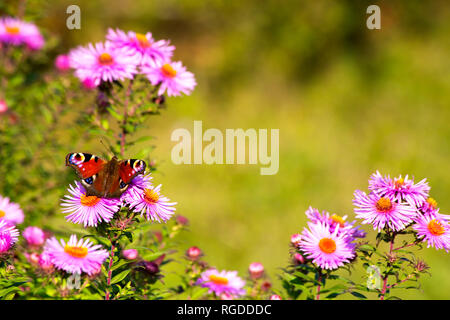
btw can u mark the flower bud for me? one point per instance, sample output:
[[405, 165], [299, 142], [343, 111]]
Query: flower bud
[[3, 107], [62, 62], [295, 239], [299, 259], [182, 220], [34, 236], [45, 261], [256, 270], [275, 297], [88, 84], [193, 253], [130, 254]]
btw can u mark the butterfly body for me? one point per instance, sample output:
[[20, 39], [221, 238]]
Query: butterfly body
[[101, 178]]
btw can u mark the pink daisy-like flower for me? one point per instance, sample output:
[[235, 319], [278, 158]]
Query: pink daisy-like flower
[[149, 201], [171, 76], [10, 211], [400, 189], [382, 211], [328, 250], [34, 236], [8, 236], [136, 186], [75, 256], [222, 282], [103, 62], [17, 32], [335, 220], [143, 45], [429, 206], [88, 210], [434, 229]]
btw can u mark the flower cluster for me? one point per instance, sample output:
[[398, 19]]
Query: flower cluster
[[394, 204], [141, 197], [16, 32], [123, 56], [328, 240]]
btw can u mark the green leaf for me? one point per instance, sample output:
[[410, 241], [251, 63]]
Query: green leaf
[[120, 276], [358, 295]]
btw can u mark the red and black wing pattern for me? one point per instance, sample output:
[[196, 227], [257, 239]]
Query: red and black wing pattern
[[85, 164], [128, 169]]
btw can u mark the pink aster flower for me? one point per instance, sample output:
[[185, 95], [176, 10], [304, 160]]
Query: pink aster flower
[[88, 210], [400, 189], [152, 203], [17, 32], [34, 236], [103, 62], [62, 62], [434, 229], [75, 256], [429, 206], [171, 76], [137, 186], [10, 211], [143, 45], [334, 220], [8, 236], [382, 211], [220, 282], [328, 250]]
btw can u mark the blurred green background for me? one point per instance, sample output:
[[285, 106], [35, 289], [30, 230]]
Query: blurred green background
[[348, 101]]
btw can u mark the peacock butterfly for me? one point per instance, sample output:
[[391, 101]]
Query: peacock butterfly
[[101, 178]]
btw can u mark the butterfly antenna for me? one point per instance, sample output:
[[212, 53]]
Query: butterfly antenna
[[108, 149]]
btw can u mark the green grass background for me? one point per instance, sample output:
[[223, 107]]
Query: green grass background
[[348, 101]]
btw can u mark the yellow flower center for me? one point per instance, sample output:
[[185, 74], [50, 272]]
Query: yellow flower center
[[105, 59], [338, 219], [383, 205], [2, 213], [150, 196], [432, 203], [77, 252], [435, 228], [399, 183], [327, 245], [168, 71], [12, 30], [218, 279], [142, 40], [89, 201]]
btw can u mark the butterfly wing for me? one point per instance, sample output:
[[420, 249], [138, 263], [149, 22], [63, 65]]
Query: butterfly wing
[[128, 169], [85, 164]]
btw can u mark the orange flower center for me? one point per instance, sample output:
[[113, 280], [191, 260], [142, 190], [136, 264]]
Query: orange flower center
[[218, 280], [432, 203], [142, 40], [105, 59], [77, 252], [150, 196], [327, 245], [383, 205], [338, 219], [435, 228], [89, 201], [168, 71], [2, 213], [12, 30], [399, 183]]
